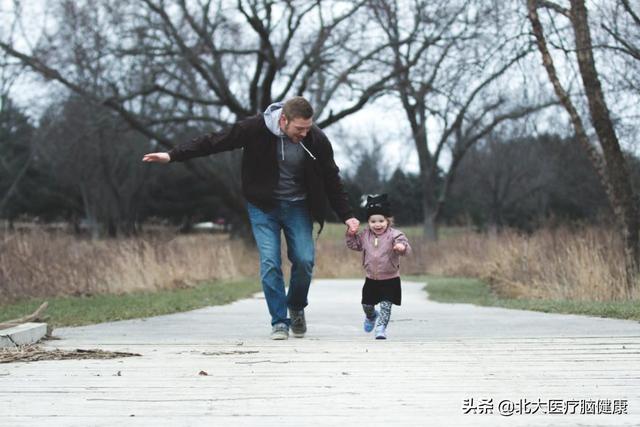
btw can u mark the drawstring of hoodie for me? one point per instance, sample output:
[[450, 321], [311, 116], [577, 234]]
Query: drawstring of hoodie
[[309, 152], [305, 149]]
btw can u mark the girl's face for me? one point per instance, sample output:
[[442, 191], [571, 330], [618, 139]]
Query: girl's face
[[378, 223]]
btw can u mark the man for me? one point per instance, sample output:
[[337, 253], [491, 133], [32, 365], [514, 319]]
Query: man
[[288, 173]]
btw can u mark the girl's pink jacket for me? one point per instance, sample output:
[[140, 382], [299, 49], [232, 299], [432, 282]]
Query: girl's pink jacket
[[380, 262]]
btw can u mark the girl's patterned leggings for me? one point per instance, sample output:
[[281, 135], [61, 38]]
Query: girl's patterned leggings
[[385, 312]]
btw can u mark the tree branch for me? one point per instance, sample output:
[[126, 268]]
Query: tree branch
[[553, 6], [627, 7]]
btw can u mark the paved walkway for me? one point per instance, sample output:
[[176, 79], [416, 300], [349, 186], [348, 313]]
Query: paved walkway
[[437, 358]]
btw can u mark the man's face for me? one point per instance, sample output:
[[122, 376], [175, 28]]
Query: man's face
[[296, 129]]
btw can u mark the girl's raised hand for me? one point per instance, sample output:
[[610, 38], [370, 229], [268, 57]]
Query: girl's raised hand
[[400, 248]]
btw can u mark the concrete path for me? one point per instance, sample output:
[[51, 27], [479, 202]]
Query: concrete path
[[440, 366]]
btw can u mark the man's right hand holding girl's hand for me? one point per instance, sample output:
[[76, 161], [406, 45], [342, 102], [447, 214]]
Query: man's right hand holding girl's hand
[[352, 226]]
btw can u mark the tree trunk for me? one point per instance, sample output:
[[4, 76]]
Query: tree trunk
[[623, 200], [429, 228], [429, 205], [613, 170], [495, 222]]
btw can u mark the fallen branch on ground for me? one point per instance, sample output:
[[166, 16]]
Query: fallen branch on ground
[[36, 315], [34, 353]]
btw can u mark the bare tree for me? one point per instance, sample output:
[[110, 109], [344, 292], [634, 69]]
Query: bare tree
[[88, 152], [170, 65], [616, 46], [450, 62], [10, 70], [609, 162], [623, 27], [508, 180]]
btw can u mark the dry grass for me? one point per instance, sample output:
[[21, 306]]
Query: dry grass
[[38, 264], [550, 264]]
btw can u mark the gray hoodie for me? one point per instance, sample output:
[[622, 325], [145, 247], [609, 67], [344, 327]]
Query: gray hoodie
[[291, 157]]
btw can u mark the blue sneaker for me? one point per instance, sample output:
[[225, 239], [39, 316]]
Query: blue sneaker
[[370, 323]]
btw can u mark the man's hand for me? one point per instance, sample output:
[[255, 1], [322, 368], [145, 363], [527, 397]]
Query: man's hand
[[400, 248], [157, 158], [353, 225]]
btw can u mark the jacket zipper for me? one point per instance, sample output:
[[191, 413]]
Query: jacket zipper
[[375, 269]]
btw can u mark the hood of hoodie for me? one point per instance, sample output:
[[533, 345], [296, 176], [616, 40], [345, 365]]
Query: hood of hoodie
[[272, 118]]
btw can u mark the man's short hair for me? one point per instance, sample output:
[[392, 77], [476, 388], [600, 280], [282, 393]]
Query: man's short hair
[[297, 107]]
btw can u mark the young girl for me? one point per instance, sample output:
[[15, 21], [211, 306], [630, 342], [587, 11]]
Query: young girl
[[381, 247]]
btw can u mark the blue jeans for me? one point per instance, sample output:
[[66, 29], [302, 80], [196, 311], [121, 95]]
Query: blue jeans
[[295, 220]]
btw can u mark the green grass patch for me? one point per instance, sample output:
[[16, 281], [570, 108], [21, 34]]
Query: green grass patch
[[75, 311], [474, 291]]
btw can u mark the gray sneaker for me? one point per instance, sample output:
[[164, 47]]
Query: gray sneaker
[[280, 331], [298, 323]]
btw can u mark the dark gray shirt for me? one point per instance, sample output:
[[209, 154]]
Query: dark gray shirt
[[291, 164]]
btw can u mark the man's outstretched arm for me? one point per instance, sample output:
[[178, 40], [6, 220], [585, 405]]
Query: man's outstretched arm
[[211, 143]]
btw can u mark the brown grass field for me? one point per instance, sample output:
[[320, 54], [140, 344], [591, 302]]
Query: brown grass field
[[552, 264]]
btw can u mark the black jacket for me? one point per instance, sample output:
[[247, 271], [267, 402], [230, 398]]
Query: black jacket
[[260, 171]]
